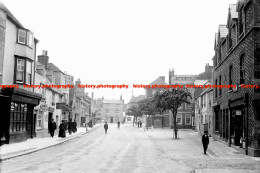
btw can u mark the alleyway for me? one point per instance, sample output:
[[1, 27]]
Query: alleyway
[[133, 150]]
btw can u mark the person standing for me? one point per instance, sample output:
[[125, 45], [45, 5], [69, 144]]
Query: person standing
[[205, 142], [52, 127], [105, 127], [118, 125], [74, 125], [70, 126], [62, 131]]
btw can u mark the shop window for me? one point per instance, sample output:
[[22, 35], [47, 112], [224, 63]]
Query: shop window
[[18, 113]]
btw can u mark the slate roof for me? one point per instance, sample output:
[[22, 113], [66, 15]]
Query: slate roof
[[158, 81], [10, 15], [137, 98], [53, 67]]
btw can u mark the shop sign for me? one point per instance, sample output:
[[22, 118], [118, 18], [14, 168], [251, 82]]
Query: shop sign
[[50, 109], [44, 107]]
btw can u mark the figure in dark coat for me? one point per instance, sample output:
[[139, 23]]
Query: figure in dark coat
[[105, 127], [74, 125], [52, 127], [70, 126], [118, 125], [62, 131], [205, 142]]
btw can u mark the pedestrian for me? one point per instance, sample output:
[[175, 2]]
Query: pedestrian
[[105, 127], [52, 127], [74, 125], [70, 126], [205, 141], [118, 125], [62, 131], [140, 124]]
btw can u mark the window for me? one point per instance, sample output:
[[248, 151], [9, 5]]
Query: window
[[179, 119], [20, 70], [18, 113], [23, 71], [39, 119], [188, 119], [230, 75], [30, 39], [242, 69], [230, 44], [216, 90], [217, 121], [21, 36], [220, 90], [25, 37], [257, 62], [28, 72]]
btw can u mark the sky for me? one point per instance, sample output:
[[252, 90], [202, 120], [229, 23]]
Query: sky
[[123, 41]]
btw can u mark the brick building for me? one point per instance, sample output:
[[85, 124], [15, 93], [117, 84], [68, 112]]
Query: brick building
[[236, 114]]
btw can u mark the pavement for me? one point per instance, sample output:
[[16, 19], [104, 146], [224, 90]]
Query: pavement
[[9, 151]]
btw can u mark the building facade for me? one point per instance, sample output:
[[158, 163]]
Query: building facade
[[17, 63], [236, 114]]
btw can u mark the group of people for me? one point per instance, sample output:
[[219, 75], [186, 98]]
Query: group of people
[[71, 126], [139, 124]]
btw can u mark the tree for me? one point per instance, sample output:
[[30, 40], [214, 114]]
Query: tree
[[134, 110], [172, 99]]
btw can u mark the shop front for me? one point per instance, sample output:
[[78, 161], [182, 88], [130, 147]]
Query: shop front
[[17, 118]]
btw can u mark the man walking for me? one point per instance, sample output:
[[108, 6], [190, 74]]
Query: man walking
[[118, 125], [52, 128], [105, 127], [205, 142]]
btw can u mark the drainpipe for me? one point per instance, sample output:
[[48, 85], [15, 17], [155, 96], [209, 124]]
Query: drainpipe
[[246, 113], [36, 42]]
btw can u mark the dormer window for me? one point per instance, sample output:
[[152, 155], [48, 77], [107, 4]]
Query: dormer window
[[25, 37]]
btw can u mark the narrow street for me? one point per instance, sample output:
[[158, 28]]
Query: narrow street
[[133, 150]]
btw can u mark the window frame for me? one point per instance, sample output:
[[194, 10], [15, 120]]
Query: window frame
[[28, 38], [242, 69], [24, 81], [18, 36]]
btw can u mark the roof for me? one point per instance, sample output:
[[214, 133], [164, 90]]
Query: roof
[[200, 82], [137, 98], [53, 67], [223, 31], [159, 81], [113, 101], [10, 15]]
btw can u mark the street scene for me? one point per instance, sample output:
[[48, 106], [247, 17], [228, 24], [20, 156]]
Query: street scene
[[130, 86], [131, 149]]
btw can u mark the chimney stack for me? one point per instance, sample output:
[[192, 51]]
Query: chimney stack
[[44, 59]]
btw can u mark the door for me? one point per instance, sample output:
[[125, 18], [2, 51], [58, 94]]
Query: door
[[49, 120], [29, 120]]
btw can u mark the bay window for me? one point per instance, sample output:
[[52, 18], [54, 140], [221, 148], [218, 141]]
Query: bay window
[[25, 37], [23, 70]]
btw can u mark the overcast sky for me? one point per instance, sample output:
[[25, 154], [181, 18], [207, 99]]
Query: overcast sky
[[123, 41]]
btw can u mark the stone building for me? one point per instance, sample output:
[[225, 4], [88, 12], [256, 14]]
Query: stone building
[[17, 63], [237, 62]]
